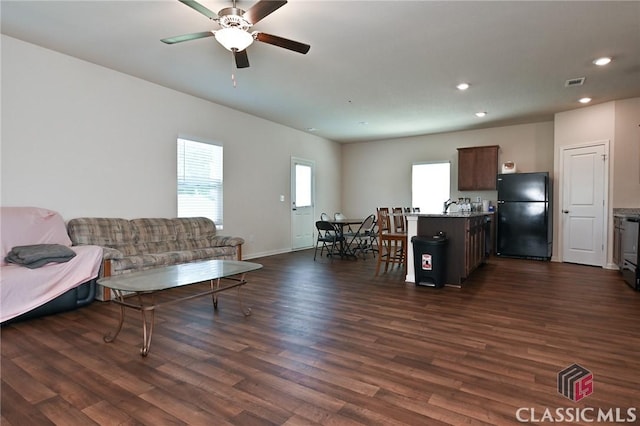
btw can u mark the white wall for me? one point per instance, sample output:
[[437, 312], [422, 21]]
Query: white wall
[[576, 127], [626, 155], [88, 141], [619, 123], [378, 173], [616, 122]]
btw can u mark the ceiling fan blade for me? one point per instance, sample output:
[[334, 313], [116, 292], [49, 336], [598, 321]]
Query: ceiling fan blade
[[186, 37], [262, 9], [200, 8], [242, 60], [296, 46]]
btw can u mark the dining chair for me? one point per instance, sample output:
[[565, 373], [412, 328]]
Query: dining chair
[[325, 217], [391, 244], [360, 240], [327, 235]]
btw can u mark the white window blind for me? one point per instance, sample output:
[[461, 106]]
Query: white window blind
[[200, 180]]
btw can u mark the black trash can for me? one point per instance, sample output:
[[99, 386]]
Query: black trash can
[[430, 260]]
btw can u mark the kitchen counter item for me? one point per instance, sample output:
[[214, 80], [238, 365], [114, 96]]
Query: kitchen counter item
[[452, 214]]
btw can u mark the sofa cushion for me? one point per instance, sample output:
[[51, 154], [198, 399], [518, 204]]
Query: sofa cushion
[[162, 246], [154, 230], [133, 263], [194, 228], [156, 260], [101, 231]]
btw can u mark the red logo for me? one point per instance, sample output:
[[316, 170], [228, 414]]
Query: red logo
[[427, 264], [575, 382]]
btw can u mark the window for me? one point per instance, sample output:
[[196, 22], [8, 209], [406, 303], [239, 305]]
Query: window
[[430, 186], [200, 180], [303, 185]]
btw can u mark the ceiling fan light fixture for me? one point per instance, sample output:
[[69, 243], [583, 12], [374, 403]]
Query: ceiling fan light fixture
[[234, 38]]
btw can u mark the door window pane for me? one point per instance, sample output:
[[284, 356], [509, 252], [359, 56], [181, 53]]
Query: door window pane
[[303, 185]]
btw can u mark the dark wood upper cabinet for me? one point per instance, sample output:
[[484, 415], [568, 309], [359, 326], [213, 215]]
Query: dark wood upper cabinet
[[477, 168]]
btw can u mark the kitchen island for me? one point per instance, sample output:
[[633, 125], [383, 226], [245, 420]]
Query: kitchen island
[[470, 241]]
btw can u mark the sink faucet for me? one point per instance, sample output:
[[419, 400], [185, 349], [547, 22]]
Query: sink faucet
[[447, 204]]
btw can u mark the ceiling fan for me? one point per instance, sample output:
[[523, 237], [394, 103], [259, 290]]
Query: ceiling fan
[[234, 29]]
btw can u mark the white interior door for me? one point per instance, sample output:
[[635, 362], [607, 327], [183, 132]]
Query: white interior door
[[302, 202], [583, 204]]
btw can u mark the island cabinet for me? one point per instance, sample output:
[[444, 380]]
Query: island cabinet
[[477, 168], [469, 241]]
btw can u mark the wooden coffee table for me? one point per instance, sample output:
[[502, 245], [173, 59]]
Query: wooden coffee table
[[137, 290]]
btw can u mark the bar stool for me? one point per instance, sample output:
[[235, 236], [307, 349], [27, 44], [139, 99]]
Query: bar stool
[[391, 244]]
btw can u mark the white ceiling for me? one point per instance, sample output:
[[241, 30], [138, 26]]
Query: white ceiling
[[376, 69]]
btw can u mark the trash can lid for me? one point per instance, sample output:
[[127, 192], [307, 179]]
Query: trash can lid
[[429, 239]]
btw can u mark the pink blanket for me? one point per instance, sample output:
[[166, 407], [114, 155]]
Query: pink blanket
[[23, 289]]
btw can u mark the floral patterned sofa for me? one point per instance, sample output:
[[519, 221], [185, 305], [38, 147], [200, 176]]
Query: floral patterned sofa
[[137, 244]]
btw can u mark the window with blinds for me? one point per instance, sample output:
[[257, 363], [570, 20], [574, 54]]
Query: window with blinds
[[430, 186], [200, 180]]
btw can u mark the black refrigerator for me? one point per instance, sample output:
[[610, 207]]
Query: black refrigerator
[[524, 224]]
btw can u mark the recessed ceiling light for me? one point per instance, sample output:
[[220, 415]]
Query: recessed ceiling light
[[462, 86], [584, 100], [481, 114], [602, 61]]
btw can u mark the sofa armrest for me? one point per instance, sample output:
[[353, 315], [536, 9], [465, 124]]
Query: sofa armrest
[[111, 253], [221, 241]]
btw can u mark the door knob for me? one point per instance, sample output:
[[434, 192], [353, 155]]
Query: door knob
[[565, 211]]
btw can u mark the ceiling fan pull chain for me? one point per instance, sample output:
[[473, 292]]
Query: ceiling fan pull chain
[[233, 74]]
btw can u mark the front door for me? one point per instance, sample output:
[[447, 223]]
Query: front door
[[302, 202], [583, 204]]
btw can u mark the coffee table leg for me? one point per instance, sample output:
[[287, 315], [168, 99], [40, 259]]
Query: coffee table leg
[[215, 284], [147, 332], [246, 311], [109, 337]]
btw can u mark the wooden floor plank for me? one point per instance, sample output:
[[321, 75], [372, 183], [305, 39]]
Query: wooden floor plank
[[329, 343]]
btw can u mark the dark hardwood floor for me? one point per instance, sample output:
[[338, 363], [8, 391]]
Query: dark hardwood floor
[[330, 344]]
